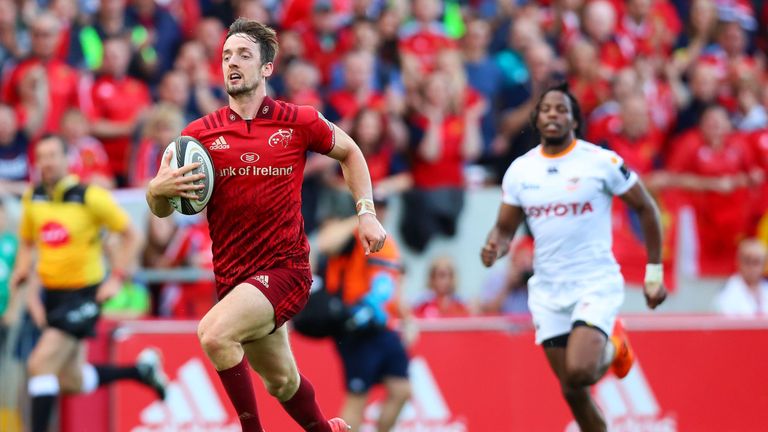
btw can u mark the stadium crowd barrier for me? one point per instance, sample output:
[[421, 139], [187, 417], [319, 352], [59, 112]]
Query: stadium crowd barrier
[[693, 373]]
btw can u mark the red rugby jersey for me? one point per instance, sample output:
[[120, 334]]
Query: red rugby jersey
[[254, 214]]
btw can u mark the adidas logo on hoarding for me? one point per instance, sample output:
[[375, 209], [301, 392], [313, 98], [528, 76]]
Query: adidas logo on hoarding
[[425, 412], [629, 405], [219, 144], [191, 405]]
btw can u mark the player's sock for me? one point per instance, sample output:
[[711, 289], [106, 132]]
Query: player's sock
[[237, 383], [43, 389], [105, 374], [304, 409]]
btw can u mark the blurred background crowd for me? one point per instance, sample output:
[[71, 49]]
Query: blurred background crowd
[[438, 96]]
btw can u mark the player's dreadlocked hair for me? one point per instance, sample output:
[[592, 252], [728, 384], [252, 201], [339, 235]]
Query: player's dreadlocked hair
[[575, 108], [265, 36]]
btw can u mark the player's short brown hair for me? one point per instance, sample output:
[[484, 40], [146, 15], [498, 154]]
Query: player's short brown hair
[[263, 35]]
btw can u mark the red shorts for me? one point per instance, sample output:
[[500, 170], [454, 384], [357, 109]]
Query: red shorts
[[286, 289]]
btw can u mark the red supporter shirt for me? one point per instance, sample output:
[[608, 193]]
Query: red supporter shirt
[[254, 213], [657, 33], [346, 104], [615, 53], [434, 308], [759, 150], [191, 245], [639, 153], [721, 218], [380, 163], [446, 170], [425, 44], [590, 94], [87, 158], [323, 51], [62, 87], [118, 100], [148, 158]]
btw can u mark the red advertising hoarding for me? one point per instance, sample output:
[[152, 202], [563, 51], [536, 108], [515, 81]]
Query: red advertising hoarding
[[692, 374]]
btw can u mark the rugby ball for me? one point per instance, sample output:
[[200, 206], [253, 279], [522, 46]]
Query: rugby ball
[[186, 150]]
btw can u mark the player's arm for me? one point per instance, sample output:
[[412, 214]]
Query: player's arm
[[122, 258], [335, 234], [497, 244], [170, 182], [358, 180], [638, 198], [123, 253], [23, 263], [20, 274]]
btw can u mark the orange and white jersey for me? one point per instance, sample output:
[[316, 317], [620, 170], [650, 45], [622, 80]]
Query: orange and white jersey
[[567, 202]]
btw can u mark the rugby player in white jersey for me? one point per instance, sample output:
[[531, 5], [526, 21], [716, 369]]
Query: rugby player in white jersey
[[563, 188]]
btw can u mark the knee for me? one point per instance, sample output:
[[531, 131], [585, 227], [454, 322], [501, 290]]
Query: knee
[[211, 338], [574, 395], [400, 392], [580, 376], [37, 365], [70, 384], [282, 387]]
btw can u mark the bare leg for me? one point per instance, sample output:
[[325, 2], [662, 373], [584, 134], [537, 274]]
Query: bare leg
[[243, 315], [398, 393], [578, 366], [353, 410], [272, 359], [71, 375], [51, 354]]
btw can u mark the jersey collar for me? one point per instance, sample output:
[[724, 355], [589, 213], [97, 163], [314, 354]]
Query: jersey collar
[[62, 186], [266, 111], [565, 151]]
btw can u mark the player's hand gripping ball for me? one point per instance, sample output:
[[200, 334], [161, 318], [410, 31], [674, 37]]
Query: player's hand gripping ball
[[186, 150]]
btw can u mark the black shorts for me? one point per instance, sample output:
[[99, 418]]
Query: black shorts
[[73, 311], [370, 358]]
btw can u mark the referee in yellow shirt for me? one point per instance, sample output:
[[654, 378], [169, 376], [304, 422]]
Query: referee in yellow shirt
[[64, 220]]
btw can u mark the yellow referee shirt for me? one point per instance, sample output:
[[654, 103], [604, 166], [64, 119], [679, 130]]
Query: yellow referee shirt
[[67, 228]]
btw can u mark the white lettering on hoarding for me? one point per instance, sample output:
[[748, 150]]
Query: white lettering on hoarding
[[191, 405], [629, 405], [427, 410]]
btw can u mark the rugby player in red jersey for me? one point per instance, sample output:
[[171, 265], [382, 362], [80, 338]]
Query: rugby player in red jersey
[[260, 252]]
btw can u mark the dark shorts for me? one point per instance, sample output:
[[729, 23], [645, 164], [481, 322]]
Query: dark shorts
[[370, 358], [286, 289], [74, 312]]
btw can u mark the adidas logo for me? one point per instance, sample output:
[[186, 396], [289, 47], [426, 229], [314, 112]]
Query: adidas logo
[[262, 279], [219, 144], [191, 404], [427, 410], [629, 404]]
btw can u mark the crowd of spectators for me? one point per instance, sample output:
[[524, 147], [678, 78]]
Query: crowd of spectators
[[429, 89]]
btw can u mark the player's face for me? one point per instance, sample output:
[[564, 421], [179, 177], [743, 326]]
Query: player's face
[[51, 160], [241, 63], [555, 121]]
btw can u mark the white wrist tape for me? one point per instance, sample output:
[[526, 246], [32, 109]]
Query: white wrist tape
[[365, 205], [654, 273]]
